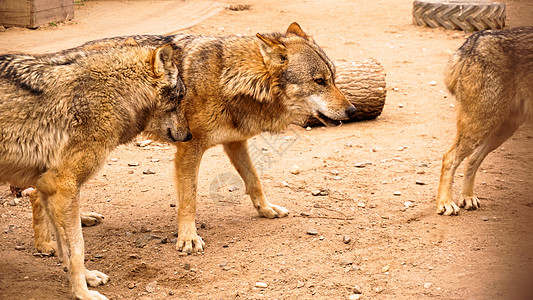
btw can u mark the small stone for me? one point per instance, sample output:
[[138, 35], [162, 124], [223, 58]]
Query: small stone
[[171, 293], [305, 214], [315, 192], [312, 231], [308, 128], [172, 204], [182, 253], [484, 218], [355, 268], [337, 178], [154, 160], [261, 285], [345, 262], [407, 204], [2, 29], [355, 296], [401, 105], [232, 189], [433, 83], [427, 285], [397, 193], [148, 172], [295, 169], [360, 165], [131, 285], [284, 184], [334, 172], [361, 204], [226, 268], [145, 229], [378, 289], [99, 256], [346, 239], [114, 159], [385, 269], [300, 284], [420, 182], [20, 247], [324, 192], [150, 288], [134, 256], [133, 164]]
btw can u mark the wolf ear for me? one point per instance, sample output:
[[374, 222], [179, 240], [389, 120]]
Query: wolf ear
[[162, 59], [274, 53], [295, 29]]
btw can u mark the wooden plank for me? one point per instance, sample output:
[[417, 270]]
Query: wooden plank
[[15, 6], [42, 5], [58, 14], [34, 13]]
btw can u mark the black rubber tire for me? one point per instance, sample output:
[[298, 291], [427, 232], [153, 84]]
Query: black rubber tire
[[461, 15]]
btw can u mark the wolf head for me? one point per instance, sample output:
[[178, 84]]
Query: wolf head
[[168, 121], [305, 74]]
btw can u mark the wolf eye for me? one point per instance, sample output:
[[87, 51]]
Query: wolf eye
[[320, 81]]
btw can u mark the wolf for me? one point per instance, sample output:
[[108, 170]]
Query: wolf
[[238, 87], [60, 116], [491, 76]]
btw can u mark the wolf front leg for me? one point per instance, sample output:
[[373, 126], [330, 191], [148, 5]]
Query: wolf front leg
[[59, 195], [240, 158], [41, 227], [187, 164]]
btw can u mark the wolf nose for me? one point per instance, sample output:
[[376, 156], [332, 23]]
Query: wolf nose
[[350, 112], [188, 137]]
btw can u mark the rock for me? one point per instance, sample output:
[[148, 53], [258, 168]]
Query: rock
[[148, 172], [295, 169], [20, 247], [171, 293], [305, 214], [378, 289], [346, 239], [145, 229], [484, 218], [427, 285], [114, 159], [335, 172], [300, 284], [150, 288], [134, 256], [99, 256], [315, 192], [337, 178], [407, 204], [154, 160], [397, 193], [284, 184], [142, 241], [324, 192], [433, 83], [360, 164], [261, 285], [355, 268], [355, 296], [420, 182], [361, 204], [401, 105], [133, 164], [345, 262], [385, 269], [131, 285], [312, 231]]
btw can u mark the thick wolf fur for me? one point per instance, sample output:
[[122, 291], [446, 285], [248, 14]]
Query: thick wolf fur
[[238, 87], [59, 118], [491, 76]]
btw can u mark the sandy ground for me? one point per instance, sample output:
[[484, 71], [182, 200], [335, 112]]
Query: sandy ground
[[395, 252]]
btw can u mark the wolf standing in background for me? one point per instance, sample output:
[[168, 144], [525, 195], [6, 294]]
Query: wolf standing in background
[[61, 115], [491, 76], [238, 87]]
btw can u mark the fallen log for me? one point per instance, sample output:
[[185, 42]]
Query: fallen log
[[363, 84]]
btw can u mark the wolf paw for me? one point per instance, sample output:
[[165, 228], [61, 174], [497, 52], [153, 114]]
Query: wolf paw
[[273, 211], [448, 209], [95, 278], [190, 244], [91, 218], [46, 248], [89, 295], [470, 203]]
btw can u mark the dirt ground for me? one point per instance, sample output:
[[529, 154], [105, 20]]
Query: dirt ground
[[399, 248]]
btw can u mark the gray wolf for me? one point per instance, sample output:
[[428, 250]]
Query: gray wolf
[[491, 76], [238, 87], [61, 115]]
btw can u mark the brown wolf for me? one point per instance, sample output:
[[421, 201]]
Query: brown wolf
[[491, 76], [61, 116], [238, 87]]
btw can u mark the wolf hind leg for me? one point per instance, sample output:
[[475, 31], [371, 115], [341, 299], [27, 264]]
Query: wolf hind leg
[[240, 158], [497, 137]]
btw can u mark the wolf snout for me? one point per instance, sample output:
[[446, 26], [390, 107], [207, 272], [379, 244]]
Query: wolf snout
[[177, 136], [350, 111]]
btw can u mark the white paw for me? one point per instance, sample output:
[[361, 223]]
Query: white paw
[[448, 209], [272, 211], [95, 278], [91, 218], [470, 203], [89, 295], [190, 243], [46, 248]]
